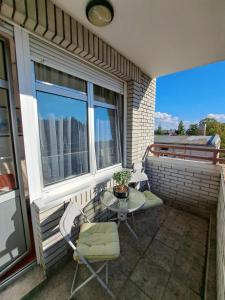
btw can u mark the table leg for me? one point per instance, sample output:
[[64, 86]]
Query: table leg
[[131, 229], [122, 217]]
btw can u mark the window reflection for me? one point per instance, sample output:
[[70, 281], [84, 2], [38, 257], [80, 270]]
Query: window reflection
[[63, 137], [107, 144], [7, 168]]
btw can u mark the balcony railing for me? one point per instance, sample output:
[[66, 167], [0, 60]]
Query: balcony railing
[[173, 150]]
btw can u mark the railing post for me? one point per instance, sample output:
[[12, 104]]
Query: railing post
[[215, 156]]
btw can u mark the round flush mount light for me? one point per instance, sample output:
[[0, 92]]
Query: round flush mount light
[[99, 12]]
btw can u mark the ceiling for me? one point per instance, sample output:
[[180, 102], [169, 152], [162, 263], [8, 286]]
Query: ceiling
[[161, 36]]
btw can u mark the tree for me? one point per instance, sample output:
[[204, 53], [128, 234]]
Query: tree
[[212, 126], [215, 127], [207, 121], [159, 130], [181, 129], [192, 130]]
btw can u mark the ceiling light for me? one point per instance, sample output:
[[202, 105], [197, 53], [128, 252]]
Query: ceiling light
[[99, 12]]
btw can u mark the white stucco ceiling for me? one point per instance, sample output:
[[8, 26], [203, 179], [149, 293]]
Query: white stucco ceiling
[[161, 36]]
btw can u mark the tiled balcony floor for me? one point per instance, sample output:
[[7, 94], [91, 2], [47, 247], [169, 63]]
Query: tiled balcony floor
[[168, 262]]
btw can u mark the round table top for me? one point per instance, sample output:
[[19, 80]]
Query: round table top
[[134, 201]]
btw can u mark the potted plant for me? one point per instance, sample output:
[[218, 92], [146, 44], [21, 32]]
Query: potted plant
[[121, 190]]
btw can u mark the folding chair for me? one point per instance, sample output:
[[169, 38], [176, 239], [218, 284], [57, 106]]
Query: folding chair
[[97, 242], [138, 177]]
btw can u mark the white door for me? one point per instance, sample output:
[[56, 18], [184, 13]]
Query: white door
[[14, 235]]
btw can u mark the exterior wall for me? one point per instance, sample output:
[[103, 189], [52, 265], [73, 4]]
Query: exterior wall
[[221, 242], [43, 18], [190, 185], [140, 117]]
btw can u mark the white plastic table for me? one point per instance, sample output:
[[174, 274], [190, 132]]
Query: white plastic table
[[122, 207]]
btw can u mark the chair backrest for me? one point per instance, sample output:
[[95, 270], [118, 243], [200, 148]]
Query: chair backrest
[[139, 177], [67, 220], [138, 167]]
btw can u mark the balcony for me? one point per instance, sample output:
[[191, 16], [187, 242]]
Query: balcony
[[168, 262], [175, 257]]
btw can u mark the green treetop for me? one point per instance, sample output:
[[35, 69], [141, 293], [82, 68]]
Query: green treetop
[[181, 129], [159, 130], [192, 130]]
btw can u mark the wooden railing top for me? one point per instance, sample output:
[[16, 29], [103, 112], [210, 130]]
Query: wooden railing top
[[157, 150]]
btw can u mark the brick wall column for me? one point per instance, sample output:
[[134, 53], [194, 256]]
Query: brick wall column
[[140, 117]]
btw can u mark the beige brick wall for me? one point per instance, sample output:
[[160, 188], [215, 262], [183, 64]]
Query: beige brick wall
[[190, 185], [221, 242], [140, 117], [44, 19]]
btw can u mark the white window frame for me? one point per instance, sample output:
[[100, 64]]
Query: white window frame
[[91, 102], [44, 87], [31, 133]]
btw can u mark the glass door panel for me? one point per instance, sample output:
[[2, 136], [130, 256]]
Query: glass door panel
[[14, 239], [7, 165]]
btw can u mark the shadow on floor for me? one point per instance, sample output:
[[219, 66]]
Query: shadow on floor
[[168, 262]]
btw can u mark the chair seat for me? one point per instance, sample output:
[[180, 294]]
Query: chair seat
[[98, 241], [138, 176], [151, 200]]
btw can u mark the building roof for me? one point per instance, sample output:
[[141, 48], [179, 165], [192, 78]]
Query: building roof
[[197, 140]]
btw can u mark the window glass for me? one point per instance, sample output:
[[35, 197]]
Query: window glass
[[47, 74], [2, 62], [7, 167], [107, 137], [104, 95], [120, 110], [63, 137]]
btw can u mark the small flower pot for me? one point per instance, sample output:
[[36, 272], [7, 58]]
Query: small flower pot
[[121, 191]]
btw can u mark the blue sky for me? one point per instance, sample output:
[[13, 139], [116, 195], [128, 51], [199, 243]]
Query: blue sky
[[191, 96]]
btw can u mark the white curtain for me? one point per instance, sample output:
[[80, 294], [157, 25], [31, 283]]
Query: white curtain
[[107, 141], [64, 148]]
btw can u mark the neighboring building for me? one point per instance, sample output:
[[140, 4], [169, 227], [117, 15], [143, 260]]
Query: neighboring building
[[198, 141]]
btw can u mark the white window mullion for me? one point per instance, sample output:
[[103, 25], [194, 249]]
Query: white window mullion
[[28, 112], [91, 130], [58, 90]]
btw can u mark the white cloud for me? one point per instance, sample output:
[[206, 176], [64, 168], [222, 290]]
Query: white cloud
[[166, 117], [218, 117], [166, 120]]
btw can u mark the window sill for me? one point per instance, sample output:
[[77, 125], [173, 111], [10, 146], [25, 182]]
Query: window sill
[[55, 195]]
